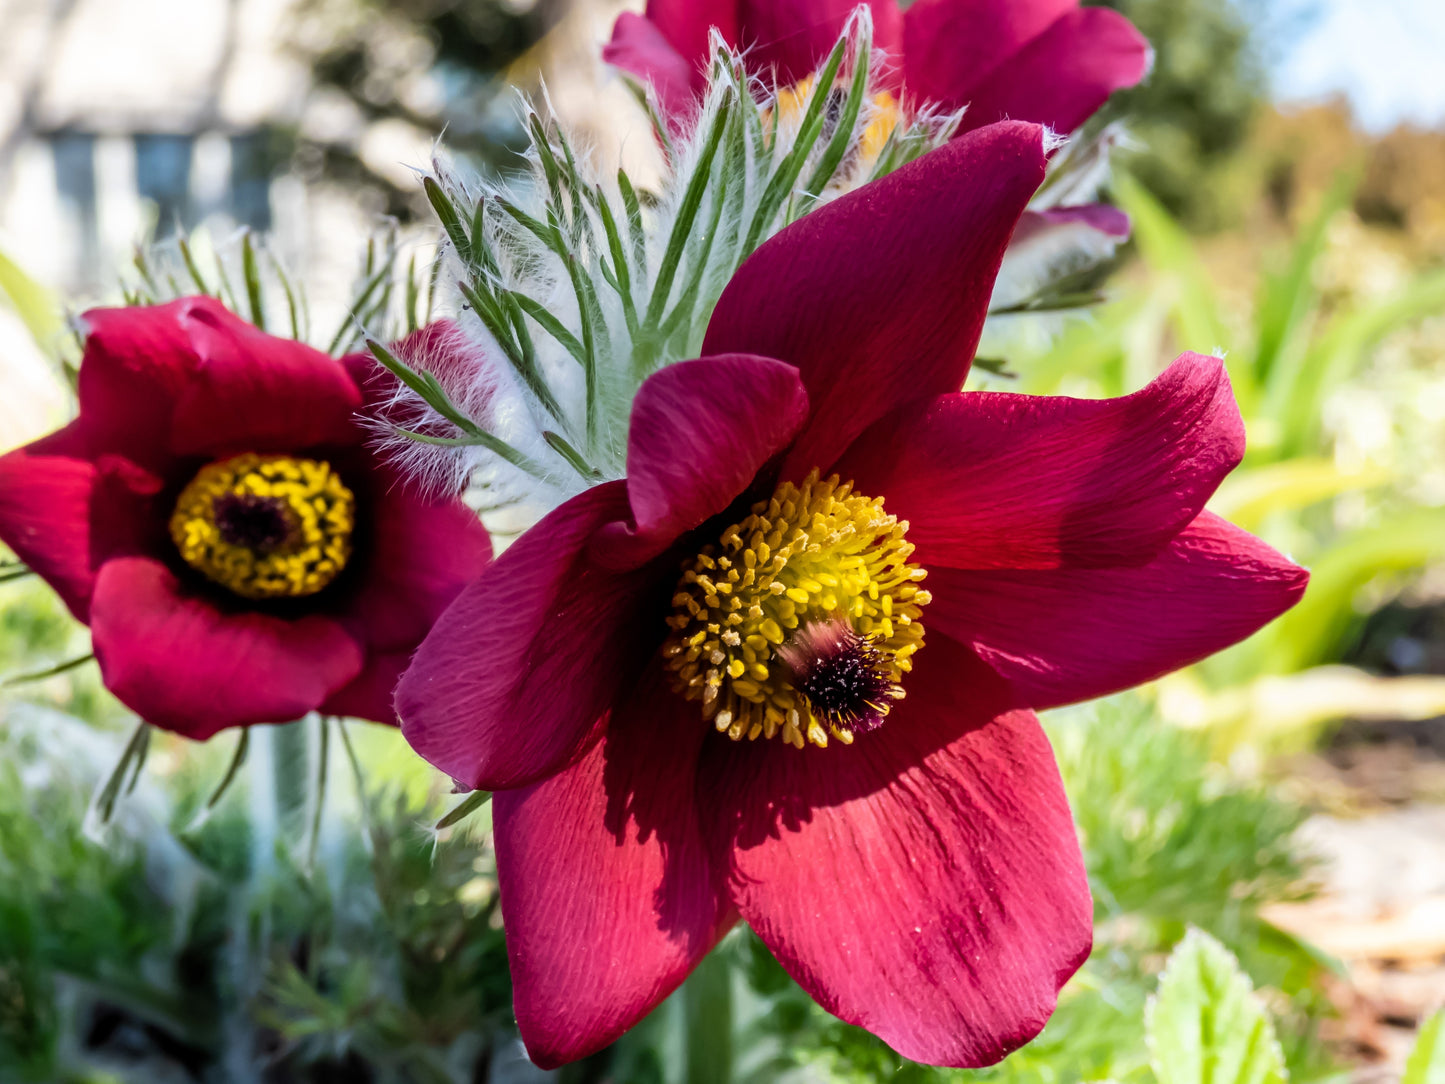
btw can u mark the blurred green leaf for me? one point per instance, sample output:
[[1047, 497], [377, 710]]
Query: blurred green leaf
[[1251, 494], [36, 306], [1427, 1061], [1314, 630], [1205, 1024]]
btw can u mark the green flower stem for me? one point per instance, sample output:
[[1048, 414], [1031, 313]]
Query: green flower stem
[[290, 776], [707, 1005]]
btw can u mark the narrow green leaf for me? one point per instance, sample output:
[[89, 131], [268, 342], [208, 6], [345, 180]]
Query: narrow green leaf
[[1426, 1064], [480, 439], [450, 220], [810, 127], [634, 222], [348, 331], [192, 268], [688, 297], [1205, 1025], [552, 326], [48, 672], [574, 458], [622, 283], [510, 331], [590, 315], [654, 118], [413, 295], [463, 809], [238, 758], [542, 143], [293, 309], [252, 274], [318, 793], [132, 760], [39, 310], [14, 572], [844, 137], [687, 212]]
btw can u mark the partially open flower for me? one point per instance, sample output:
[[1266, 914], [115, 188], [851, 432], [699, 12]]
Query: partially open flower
[[214, 515], [705, 691], [1047, 61]]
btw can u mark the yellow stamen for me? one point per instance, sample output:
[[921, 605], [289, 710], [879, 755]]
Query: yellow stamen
[[815, 553], [266, 526]]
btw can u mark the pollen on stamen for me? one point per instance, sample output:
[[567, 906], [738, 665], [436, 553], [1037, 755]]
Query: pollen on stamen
[[266, 526], [802, 620]]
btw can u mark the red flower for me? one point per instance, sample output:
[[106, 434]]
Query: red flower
[[1047, 61], [215, 517], [888, 817]]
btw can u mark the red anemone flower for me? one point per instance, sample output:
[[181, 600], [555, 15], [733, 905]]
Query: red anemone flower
[[1047, 61], [704, 691], [215, 517]]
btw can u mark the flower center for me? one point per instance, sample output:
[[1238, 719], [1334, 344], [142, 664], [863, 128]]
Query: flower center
[[802, 619], [266, 526]]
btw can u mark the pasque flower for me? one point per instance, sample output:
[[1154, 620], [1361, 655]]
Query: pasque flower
[[215, 517], [705, 691], [1048, 61]]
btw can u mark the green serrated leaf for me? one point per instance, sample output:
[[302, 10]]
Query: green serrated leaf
[[1205, 1025]]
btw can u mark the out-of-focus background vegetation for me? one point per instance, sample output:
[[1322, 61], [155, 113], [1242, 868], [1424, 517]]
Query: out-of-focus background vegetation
[[1287, 797]]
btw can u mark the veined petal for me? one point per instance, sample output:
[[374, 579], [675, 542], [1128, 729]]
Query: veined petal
[[1065, 74], [924, 882], [1063, 635], [686, 23], [787, 40], [419, 552], [516, 672], [190, 378], [46, 492], [950, 46], [993, 480], [608, 895], [700, 431], [369, 695], [183, 664], [879, 297]]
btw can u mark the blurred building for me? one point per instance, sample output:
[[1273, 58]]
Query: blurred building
[[302, 118]]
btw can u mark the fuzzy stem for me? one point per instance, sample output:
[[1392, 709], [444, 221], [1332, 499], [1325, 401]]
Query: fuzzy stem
[[290, 779]]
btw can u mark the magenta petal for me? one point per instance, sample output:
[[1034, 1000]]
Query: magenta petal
[[608, 897], [421, 550], [513, 676], [182, 664], [789, 39], [687, 23], [950, 46], [369, 694], [1065, 635], [46, 490], [992, 480], [1099, 217], [925, 882], [1065, 74], [700, 431], [639, 47], [190, 378], [879, 297]]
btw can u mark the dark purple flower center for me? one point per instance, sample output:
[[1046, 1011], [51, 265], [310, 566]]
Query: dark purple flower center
[[843, 675], [261, 524]]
